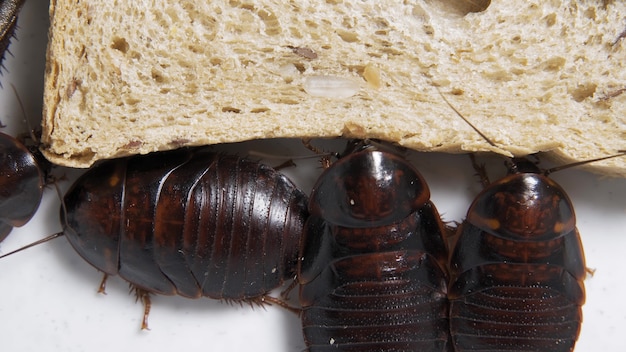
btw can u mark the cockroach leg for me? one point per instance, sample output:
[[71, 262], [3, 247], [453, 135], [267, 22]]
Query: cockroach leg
[[143, 296], [103, 283], [481, 172], [279, 302], [286, 164], [287, 291]]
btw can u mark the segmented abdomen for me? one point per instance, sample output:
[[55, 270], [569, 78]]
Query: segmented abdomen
[[392, 299], [502, 303], [194, 224]]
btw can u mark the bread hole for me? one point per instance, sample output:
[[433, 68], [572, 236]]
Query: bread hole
[[347, 36], [550, 19], [553, 64], [463, 7], [120, 44], [173, 14], [287, 101], [231, 109], [310, 23], [259, 110], [300, 67], [196, 48], [215, 61], [157, 76], [135, 55], [295, 32], [457, 91], [583, 91], [590, 13], [131, 101], [391, 51], [272, 27]]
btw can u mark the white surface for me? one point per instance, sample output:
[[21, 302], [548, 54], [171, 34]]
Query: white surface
[[48, 298]]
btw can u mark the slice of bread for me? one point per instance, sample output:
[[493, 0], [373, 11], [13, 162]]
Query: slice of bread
[[128, 77]]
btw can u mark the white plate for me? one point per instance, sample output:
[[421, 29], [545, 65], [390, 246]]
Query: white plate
[[48, 298]]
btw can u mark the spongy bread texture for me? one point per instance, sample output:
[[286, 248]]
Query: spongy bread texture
[[128, 77]]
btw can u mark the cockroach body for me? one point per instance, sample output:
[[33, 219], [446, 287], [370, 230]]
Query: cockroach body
[[517, 268], [21, 184], [8, 20], [192, 223], [372, 269]]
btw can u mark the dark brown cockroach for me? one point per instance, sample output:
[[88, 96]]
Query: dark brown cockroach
[[8, 20], [372, 267], [23, 174], [191, 223], [21, 184], [517, 267]]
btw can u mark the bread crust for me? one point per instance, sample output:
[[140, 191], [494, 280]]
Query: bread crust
[[533, 76]]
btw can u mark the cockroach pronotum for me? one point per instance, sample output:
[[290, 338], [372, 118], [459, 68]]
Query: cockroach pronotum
[[192, 223], [372, 269], [517, 266]]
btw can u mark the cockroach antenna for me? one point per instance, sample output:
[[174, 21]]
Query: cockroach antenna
[[578, 163], [466, 120]]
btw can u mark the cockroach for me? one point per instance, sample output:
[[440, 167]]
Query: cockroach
[[21, 184], [8, 21], [517, 267], [372, 269], [23, 173], [190, 223]]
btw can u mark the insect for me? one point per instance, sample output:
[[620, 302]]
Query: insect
[[23, 175], [191, 223], [517, 267], [21, 184], [372, 271], [8, 20]]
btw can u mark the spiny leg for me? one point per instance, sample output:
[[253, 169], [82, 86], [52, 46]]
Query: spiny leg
[[144, 296], [264, 300], [481, 172]]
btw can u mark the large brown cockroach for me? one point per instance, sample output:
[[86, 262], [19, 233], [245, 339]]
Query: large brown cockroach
[[8, 21], [23, 174], [192, 223], [372, 268], [517, 267], [21, 184]]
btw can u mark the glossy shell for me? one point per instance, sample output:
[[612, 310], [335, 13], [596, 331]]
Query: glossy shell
[[188, 223], [21, 184], [372, 270], [517, 270]]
